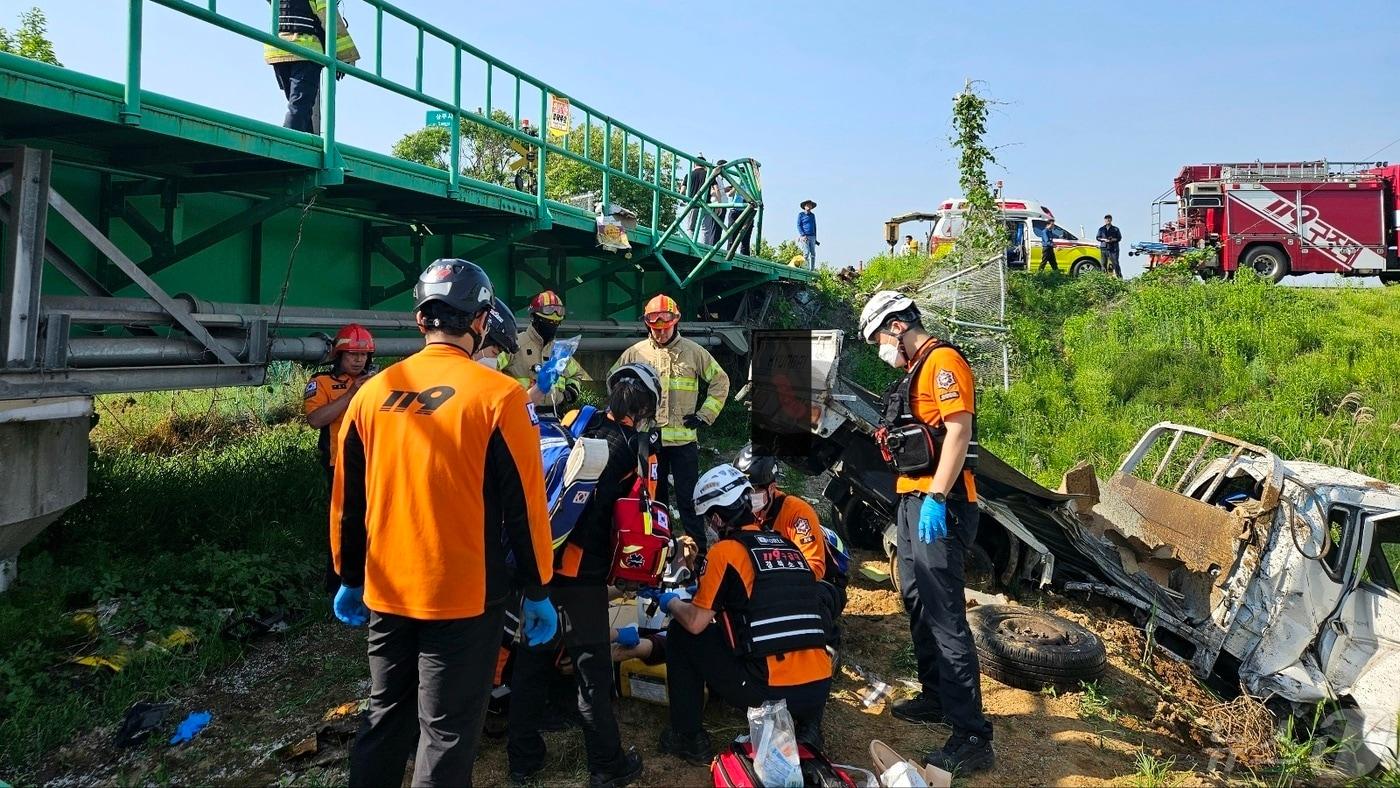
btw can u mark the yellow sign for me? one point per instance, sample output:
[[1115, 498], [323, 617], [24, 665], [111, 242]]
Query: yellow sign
[[559, 115]]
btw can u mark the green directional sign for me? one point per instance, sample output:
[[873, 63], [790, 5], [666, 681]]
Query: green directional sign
[[437, 117]]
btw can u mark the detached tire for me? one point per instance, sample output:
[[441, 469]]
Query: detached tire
[[1031, 649]]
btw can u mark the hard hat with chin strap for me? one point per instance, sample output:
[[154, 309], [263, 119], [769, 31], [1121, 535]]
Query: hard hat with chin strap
[[501, 329], [879, 309], [722, 487]]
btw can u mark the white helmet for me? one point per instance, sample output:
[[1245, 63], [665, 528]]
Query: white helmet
[[878, 309], [721, 487], [643, 372]]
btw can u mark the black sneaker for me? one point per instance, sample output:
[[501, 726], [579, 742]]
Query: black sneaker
[[963, 755], [630, 770], [525, 778], [694, 750], [920, 708]]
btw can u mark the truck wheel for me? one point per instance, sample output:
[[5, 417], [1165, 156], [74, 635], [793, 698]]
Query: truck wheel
[[1084, 265], [1269, 262], [860, 525], [1031, 649]]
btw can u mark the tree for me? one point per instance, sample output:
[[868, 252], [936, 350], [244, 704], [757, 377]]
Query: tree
[[31, 39], [781, 254], [485, 153]]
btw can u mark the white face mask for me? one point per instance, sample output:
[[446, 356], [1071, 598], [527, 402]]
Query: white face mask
[[487, 361], [758, 500], [890, 354]]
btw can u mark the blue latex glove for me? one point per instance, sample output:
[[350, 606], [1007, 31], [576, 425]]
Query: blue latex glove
[[661, 598], [627, 637], [191, 726], [547, 377], [540, 621], [350, 607], [665, 598], [933, 520]]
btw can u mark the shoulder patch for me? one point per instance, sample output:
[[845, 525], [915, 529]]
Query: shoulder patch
[[310, 389], [945, 379], [947, 395], [530, 409]]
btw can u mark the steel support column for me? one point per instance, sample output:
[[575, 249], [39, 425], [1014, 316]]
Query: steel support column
[[22, 259]]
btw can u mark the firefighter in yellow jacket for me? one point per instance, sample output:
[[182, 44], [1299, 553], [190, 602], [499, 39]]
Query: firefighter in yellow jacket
[[535, 345], [683, 365], [303, 22]]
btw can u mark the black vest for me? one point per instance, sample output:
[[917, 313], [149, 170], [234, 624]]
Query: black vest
[[784, 611], [296, 16], [899, 412]]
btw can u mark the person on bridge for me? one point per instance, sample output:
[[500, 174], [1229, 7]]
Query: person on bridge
[[770, 628], [1109, 237], [683, 365], [580, 589], [327, 396], [694, 182], [535, 346], [735, 214], [807, 233], [303, 22], [439, 467], [796, 521], [933, 409]]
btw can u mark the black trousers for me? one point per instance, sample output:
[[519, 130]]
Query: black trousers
[[744, 232], [300, 81], [332, 579], [693, 661], [682, 462], [931, 582], [1047, 257], [583, 625], [430, 683]]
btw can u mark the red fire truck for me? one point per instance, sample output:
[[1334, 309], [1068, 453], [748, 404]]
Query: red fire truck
[[1282, 218]]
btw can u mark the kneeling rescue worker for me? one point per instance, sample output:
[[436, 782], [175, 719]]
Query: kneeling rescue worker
[[328, 395], [928, 436], [439, 467], [755, 630], [683, 365], [580, 589], [796, 521]]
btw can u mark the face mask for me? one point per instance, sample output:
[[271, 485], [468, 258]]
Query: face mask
[[890, 354], [487, 361], [545, 328], [758, 500]]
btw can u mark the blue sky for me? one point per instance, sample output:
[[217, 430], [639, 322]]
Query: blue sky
[[849, 103]]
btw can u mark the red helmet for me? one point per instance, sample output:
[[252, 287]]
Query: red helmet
[[548, 305], [354, 338], [661, 312]]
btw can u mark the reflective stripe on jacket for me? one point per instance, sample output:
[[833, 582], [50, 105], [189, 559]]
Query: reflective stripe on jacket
[[683, 365], [532, 352], [345, 50]]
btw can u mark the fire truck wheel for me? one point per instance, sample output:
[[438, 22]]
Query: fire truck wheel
[[1031, 649], [1269, 262], [1084, 265]]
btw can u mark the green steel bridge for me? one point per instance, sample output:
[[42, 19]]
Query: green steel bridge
[[155, 243]]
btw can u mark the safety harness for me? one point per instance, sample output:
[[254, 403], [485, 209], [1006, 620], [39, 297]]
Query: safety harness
[[908, 445]]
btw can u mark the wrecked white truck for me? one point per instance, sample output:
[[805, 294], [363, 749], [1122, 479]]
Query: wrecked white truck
[[1276, 576]]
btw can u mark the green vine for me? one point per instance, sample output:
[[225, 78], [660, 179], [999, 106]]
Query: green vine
[[985, 233]]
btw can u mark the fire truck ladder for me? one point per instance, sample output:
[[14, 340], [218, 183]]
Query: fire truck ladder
[[1321, 170]]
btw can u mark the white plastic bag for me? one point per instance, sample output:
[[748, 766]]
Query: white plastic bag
[[774, 738]]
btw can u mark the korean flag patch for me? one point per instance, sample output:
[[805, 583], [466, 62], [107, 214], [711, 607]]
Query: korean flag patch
[[310, 389]]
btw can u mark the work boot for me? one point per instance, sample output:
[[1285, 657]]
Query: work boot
[[920, 708], [963, 755], [694, 749], [630, 770], [526, 777]]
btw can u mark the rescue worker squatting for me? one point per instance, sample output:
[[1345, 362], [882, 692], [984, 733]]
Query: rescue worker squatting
[[439, 466], [928, 436]]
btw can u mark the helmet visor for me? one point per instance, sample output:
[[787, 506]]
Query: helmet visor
[[553, 312], [661, 319]]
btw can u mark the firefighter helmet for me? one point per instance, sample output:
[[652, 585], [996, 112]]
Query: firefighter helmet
[[762, 469], [642, 372], [501, 330], [661, 312], [548, 305], [722, 487], [879, 309], [353, 338], [459, 284]]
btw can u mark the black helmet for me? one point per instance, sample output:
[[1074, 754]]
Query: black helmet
[[457, 283], [500, 328], [762, 469]]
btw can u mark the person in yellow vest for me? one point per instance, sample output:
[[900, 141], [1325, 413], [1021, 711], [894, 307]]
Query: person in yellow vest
[[303, 22], [683, 365], [910, 245], [535, 345]]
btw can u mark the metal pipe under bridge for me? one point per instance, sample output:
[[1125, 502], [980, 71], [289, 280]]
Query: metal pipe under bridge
[[151, 242]]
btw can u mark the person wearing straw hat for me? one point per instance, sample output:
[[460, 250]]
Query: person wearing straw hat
[[807, 233]]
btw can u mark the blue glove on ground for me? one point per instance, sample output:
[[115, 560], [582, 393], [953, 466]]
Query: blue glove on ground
[[191, 726], [933, 520], [627, 637], [540, 621], [349, 606]]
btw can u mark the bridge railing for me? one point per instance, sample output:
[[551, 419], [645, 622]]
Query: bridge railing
[[657, 167]]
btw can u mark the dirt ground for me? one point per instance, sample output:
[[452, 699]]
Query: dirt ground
[[284, 715]]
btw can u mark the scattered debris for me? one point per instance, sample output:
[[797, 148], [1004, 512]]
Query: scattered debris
[[140, 722], [191, 726], [117, 658]]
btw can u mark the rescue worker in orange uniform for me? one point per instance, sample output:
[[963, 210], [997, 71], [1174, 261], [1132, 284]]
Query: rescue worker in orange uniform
[[755, 630], [439, 472], [326, 398], [928, 435], [580, 589], [795, 520], [683, 365]]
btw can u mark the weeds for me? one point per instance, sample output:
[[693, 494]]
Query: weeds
[[1152, 771], [1094, 703]]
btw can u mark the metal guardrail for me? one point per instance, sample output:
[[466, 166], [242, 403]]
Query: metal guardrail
[[668, 166]]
